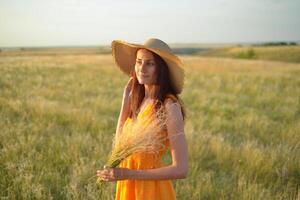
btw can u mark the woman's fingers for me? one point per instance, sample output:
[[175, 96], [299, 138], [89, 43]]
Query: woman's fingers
[[106, 175], [110, 174]]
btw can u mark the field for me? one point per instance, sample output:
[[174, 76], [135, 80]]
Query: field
[[272, 53], [58, 114]]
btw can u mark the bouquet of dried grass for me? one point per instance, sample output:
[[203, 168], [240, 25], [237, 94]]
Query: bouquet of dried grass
[[139, 136]]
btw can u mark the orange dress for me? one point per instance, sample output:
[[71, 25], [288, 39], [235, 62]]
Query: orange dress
[[145, 189]]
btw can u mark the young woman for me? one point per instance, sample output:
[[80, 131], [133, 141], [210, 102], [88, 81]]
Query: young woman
[[156, 79]]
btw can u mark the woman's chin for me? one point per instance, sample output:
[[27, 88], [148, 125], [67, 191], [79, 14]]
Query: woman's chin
[[142, 81]]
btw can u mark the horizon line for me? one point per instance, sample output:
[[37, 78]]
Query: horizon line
[[170, 44]]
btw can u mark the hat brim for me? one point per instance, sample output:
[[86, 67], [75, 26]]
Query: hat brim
[[124, 55]]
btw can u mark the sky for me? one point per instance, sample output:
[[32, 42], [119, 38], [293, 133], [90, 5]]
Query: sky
[[29, 23]]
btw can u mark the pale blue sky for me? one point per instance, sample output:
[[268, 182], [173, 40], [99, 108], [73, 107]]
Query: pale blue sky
[[97, 22]]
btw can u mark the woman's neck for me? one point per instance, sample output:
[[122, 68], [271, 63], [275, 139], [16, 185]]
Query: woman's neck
[[147, 92]]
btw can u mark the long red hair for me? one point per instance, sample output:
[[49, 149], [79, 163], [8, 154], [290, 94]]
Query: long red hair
[[161, 88]]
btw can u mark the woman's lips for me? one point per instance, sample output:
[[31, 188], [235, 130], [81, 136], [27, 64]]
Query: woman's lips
[[143, 75]]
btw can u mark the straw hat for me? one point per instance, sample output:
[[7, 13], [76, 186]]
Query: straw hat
[[124, 55]]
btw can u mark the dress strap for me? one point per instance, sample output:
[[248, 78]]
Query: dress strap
[[170, 97]]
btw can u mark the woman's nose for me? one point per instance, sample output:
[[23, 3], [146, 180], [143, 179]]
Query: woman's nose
[[143, 66]]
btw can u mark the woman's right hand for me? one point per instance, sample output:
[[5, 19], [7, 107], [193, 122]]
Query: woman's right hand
[[127, 89]]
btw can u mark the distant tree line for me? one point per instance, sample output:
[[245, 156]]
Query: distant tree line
[[276, 44], [188, 50]]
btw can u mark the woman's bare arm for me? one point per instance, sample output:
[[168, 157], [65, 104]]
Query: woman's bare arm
[[125, 107], [124, 112]]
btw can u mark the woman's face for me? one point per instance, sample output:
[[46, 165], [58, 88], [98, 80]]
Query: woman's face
[[145, 67]]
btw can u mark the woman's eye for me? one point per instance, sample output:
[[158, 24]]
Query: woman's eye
[[151, 64], [139, 62]]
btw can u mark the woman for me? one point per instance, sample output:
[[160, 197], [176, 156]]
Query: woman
[[156, 76]]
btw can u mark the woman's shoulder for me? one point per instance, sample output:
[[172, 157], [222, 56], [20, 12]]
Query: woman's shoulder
[[171, 99]]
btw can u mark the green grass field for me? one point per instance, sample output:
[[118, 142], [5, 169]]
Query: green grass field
[[58, 114]]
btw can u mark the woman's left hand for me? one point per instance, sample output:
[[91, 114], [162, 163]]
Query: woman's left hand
[[113, 174]]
